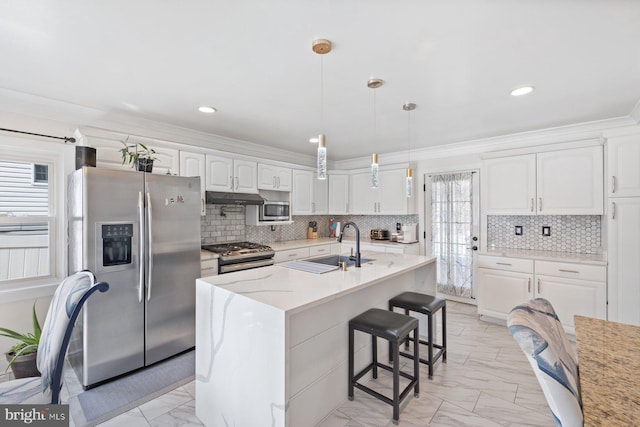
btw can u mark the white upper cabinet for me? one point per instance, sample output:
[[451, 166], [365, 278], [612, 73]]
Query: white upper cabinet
[[302, 194], [570, 182], [564, 182], [231, 175], [193, 164], [338, 194], [363, 200], [623, 166], [309, 195], [509, 185], [274, 177], [389, 198], [321, 196], [392, 197]]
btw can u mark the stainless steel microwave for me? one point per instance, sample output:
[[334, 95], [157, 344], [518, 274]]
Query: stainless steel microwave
[[274, 211]]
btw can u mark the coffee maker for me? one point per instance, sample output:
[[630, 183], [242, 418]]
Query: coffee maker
[[408, 233]]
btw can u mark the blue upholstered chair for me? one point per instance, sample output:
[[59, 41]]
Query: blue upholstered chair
[[54, 341], [536, 328]]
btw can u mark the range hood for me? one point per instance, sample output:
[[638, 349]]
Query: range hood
[[220, 198]]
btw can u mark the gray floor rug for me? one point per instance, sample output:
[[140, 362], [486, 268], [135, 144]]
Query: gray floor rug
[[97, 405]]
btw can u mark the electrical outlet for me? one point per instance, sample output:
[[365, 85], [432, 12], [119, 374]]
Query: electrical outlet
[[518, 230], [546, 230]]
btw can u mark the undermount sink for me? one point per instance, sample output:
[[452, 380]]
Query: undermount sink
[[335, 259]]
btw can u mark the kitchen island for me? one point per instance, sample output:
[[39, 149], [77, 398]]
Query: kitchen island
[[271, 343]]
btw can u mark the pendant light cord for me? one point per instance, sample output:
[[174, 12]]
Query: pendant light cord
[[321, 92], [409, 132]]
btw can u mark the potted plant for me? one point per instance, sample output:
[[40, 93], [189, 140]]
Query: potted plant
[[22, 356], [139, 155]]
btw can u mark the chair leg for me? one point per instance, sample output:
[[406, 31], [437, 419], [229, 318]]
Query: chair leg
[[416, 361], [374, 355], [430, 344], [390, 346], [406, 343], [444, 334], [351, 356], [396, 382]]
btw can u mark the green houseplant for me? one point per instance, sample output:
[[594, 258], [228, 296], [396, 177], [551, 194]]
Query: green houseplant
[[139, 155], [22, 356]]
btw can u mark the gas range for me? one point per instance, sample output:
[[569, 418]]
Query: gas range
[[241, 255]]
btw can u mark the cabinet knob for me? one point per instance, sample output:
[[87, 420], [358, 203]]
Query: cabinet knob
[[613, 184]]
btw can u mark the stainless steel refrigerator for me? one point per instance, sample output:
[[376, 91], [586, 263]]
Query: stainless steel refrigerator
[[140, 233]]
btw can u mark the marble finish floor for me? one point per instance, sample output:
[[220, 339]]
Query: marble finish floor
[[486, 381]]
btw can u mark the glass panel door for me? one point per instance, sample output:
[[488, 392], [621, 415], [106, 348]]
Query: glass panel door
[[454, 225]]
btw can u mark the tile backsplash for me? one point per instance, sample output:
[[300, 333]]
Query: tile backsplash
[[230, 226], [569, 233]]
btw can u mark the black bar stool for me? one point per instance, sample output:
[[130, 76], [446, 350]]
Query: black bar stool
[[429, 305], [395, 328]]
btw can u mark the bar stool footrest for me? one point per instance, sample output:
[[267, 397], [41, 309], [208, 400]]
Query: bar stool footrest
[[374, 393]]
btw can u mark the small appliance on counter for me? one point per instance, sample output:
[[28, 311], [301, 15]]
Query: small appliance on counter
[[409, 233], [379, 234]]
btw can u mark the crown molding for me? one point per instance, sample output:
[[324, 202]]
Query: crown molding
[[116, 123], [575, 132]]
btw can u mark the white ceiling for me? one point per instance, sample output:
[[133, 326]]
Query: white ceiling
[[252, 60]]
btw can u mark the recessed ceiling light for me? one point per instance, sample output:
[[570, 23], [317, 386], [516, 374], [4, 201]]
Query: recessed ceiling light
[[522, 91], [207, 109], [313, 140]]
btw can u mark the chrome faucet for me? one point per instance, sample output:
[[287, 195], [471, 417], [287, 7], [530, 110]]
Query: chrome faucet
[[357, 257]]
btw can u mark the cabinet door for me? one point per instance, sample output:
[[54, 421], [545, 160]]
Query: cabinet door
[[623, 158], [571, 297], [246, 176], [219, 173], [363, 199], [192, 164], [624, 260], [509, 185], [570, 182], [321, 196], [500, 291], [290, 254], [283, 179], [302, 194], [338, 194], [392, 197], [266, 177]]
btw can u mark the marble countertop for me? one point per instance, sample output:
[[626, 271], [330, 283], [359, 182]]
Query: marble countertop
[[593, 259], [293, 290]]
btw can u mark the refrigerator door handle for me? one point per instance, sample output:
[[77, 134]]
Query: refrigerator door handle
[[149, 246], [140, 246]]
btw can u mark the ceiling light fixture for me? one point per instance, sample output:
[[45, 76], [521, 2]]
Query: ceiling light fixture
[[409, 106], [375, 181], [207, 109], [321, 47], [524, 90], [313, 140]]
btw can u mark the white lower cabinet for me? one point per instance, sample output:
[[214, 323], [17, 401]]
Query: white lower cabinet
[[209, 267], [572, 289], [291, 254]]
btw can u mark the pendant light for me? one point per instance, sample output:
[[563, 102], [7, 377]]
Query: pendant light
[[321, 47], [409, 107], [374, 84]]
